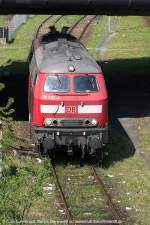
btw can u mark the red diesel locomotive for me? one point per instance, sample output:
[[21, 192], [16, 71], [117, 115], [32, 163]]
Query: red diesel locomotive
[[67, 95]]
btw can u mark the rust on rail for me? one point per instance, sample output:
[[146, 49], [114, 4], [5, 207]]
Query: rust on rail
[[112, 207]]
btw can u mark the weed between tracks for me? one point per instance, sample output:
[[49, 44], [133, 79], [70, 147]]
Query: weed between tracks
[[125, 174], [83, 195]]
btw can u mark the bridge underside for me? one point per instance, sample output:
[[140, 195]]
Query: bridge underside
[[99, 7]]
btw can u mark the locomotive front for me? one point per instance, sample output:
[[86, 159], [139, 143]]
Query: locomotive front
[[68, 106]]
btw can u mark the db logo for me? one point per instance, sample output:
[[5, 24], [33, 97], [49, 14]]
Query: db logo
[[71, 109]]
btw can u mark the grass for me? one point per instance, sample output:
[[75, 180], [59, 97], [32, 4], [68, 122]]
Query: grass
[[19, 49], [99, 33], [125, 174], [83, 196], [127, 58], [144, 133], [127, 179], [24, 178], [131, 40], [22, 192], [3, 20], [67, 21]]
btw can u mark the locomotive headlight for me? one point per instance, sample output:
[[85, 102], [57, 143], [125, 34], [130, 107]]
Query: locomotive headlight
[[48, 122], [94, 122], [71, 68]]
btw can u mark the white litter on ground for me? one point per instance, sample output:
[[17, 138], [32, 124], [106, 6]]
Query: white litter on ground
[[38, 160], [50, 187], [110, 175], [47, 188], [62, 211], [90, 177], [128, 208], [139, 210]]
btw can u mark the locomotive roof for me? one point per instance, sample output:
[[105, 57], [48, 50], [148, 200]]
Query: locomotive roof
[[58, 51]]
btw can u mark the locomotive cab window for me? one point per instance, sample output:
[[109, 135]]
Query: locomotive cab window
[[85, 83], [56, 83]]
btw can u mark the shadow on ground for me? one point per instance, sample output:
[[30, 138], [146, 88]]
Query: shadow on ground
[[128, 83], [15, 77]]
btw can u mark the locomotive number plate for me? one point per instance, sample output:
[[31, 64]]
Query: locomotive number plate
[[71, 109]]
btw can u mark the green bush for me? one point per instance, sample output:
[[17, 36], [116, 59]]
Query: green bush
[[19, 188], [6, 111]]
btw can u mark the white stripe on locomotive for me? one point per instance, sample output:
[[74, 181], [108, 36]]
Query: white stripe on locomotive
[[90, 109], [81, 109], [52, 109]]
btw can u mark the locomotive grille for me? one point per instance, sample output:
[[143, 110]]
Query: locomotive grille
[[71, 123]]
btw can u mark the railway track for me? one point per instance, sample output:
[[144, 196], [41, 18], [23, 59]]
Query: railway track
[[98, 180], [22, 150], [80, 28], [50, 21], [116, 219], [147, 20]]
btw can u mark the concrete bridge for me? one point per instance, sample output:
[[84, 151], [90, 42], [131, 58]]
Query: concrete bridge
[[100, 7]]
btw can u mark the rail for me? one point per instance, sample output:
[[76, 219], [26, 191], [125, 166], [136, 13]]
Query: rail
[[71, 220], [147, 19], [81, 26], [51, 19], [112, 207], [69, 215]]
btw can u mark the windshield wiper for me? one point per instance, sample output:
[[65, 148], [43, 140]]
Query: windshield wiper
[[60, 82], [90, 79]]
